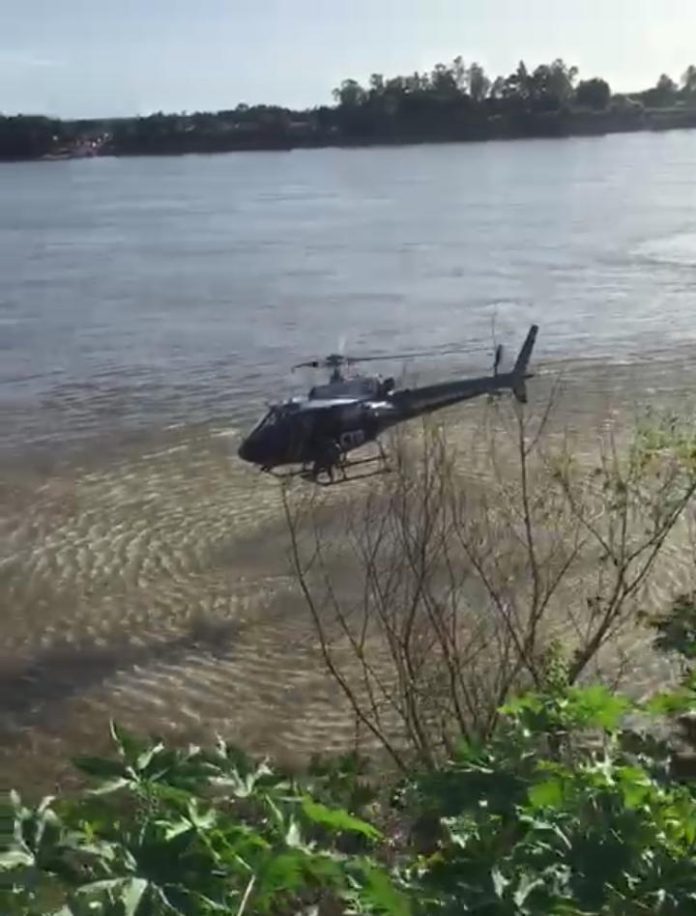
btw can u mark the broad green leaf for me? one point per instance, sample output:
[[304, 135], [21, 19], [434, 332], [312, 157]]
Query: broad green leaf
[[101, 887], [101, 850], [175, 829], [672, 703], [132, 894], [337, 820], [284, 874], [100, 767], [635, 785], [527, 884], [45, 803], [382, 894], [145, 758], [293, 837], [597, 707], [127, 891], [129, 746], [547, 794], [500, 882], [15, 858], [201, 820], [111, 785], [688, 823], [527, 703]]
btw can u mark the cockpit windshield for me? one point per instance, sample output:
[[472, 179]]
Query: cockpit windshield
[[267, 420], [276, 414]]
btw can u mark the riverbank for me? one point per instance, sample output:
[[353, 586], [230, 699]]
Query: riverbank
[[172, 135], [498, 128]]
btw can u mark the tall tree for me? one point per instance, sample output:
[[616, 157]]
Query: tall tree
[[551, 85], [594, 93], [377, 83], [562, 79], [442, 80], [523, 80], [350, 94], [460, 73], [497, 90], [517, 86], [666, 88], [689, 80], [477, 82]]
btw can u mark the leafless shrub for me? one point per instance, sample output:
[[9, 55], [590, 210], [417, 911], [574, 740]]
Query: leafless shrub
[[474, 572]]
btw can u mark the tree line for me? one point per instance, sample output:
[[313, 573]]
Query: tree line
[[462, 101], [455, 101]]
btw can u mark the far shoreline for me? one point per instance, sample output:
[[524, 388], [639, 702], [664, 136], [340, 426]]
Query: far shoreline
[[453, 103], [359, 144]]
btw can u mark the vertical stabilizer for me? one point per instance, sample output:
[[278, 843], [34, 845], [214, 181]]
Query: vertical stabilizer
[[519, 373]]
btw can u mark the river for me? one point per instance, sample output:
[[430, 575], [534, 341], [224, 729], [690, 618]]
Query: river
[[139, 293], [150, 307]]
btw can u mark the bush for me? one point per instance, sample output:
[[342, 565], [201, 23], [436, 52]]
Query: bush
[[545, 820], [190, 832], [475, 560], [564, 810]]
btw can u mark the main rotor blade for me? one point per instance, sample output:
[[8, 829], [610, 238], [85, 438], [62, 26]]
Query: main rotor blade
[[329, 362], [415, 353]]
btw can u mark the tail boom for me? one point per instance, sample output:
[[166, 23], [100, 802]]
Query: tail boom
[[412, 402]]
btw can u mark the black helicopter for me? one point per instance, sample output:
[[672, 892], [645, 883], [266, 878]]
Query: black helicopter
[[318, 431]]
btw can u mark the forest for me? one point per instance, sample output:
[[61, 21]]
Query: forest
[[452, 102]]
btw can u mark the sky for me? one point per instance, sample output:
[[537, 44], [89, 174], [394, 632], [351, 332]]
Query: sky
[[93, 58]]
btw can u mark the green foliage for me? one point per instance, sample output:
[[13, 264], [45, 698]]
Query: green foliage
[[558, 814], [564, 811], [167, 831], [346, 781], [676, 630]]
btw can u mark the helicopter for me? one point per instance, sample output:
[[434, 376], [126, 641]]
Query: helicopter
[[319, 431]]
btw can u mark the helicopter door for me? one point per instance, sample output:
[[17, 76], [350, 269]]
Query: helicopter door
[[354, 417], [299, 430]]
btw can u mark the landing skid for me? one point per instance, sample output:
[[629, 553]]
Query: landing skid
[[284, 475], [308, 473], [330, 481]]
